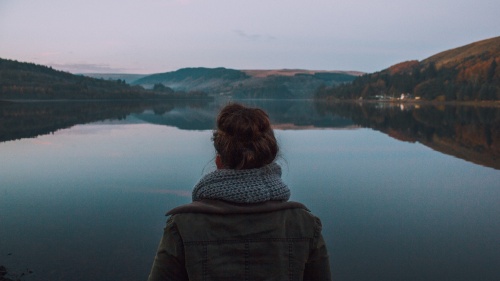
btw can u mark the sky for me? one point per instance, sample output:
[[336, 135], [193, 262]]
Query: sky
[[153, 36]]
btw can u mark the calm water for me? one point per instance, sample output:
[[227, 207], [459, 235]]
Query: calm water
[[404, 193]]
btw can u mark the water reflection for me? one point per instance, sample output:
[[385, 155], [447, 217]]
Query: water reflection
[[466, 132], [87, 203], [469, 133], [27, 120]]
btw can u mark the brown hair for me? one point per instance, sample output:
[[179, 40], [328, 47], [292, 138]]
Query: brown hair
[[244, 138]]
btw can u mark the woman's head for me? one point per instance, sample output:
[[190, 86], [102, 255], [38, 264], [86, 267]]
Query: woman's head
[[244, 138]]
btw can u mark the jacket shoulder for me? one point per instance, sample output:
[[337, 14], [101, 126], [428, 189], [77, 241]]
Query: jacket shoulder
[[220, 207]]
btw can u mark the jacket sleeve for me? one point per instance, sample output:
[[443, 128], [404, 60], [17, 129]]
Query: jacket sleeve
[[168, 264], [318, 264]]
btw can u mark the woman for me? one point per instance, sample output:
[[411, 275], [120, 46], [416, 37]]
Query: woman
[[241, 225]]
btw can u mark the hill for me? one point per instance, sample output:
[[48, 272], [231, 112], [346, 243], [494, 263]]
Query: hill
[[200, 79], [128, 78], [248, 83], [458, 56], [465, 73], [292, 72], [28, 81]]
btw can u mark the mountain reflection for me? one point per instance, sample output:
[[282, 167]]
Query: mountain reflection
[[28, 120], [469, 133], [466, 132]]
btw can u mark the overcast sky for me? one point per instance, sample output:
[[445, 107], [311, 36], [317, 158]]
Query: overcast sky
[[151, 36]]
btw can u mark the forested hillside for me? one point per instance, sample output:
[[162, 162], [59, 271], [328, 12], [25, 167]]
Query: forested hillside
[[21, 81], [466, 73], [280, 84]]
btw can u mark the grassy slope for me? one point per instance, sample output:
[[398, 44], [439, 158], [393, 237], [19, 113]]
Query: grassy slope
[[454, 57]]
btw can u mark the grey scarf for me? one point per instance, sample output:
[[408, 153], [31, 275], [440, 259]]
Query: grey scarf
[[243, 186]]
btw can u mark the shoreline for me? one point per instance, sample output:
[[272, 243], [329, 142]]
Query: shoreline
[[420, 102], [4, 272], [394, 102]]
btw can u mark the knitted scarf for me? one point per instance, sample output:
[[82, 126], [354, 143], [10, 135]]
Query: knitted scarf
[[243, 186]]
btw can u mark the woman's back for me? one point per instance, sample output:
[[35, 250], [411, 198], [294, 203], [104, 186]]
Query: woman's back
[[218, 240], [241, 225]]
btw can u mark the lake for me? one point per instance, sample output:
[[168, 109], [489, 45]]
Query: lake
[[405, 192]]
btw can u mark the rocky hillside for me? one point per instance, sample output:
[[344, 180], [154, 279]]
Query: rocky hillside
[[465, 73]]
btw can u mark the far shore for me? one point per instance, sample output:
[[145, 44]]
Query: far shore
[[422, 102], [368, 101]]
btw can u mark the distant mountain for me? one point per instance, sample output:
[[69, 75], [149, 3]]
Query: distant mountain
[[466, 73], [128, 78], [200, 79], [248, 83], [292, 72], [28, 81]]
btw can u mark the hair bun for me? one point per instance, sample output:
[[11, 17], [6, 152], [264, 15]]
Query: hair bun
[[244, 138]]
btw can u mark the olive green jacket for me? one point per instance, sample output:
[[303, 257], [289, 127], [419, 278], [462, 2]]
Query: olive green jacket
[[213, 240]]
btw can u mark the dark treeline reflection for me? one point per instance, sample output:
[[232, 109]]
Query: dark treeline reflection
[[467, 132], [27, 120], [32, 119], [295, 115]]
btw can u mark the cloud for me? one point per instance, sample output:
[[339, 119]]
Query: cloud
[[87, 68], [253, 37]]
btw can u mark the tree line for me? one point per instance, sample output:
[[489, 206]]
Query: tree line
[[20, 80], [471, 80]]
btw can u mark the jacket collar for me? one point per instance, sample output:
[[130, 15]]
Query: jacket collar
[[209, 206]]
